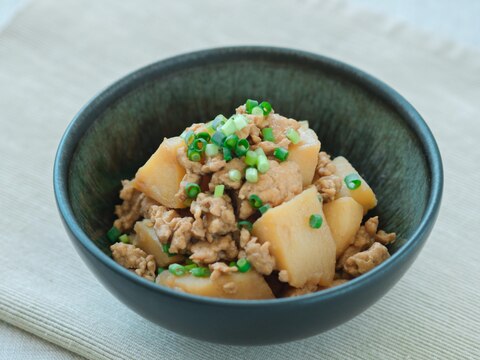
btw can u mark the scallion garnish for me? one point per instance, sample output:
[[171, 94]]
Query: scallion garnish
[[268, 134], [113, 234], [166, 250], [353, 181], [199, 144], [211, 150], [177, 269], [203, 135], [232, 264], [218, 138], [124, 239], [190, 267], [251, 158], [293, 136], [200, 272], [160, 270], [266, 107], [263, 209], [243, 265], [251, 175], [280, 153], [315, 221], [231, 141], [235, 175], [245, 224], [188, 137], [228, 128], [219, 189], [257, 111], [218, 121], [227, 154], [262, 164], [240, 121], [194, 155], [249, 105], [255, 201], [192, 190], [242, 147]]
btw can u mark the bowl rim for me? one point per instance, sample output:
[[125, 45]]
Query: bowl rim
[[85, 117]]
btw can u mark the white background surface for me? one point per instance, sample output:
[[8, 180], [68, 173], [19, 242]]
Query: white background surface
[[456, 21]]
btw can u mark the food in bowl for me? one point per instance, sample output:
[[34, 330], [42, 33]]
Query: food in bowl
[[247, 207]]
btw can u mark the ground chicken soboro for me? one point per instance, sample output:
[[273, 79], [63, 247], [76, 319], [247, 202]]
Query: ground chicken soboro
[[207, 242]]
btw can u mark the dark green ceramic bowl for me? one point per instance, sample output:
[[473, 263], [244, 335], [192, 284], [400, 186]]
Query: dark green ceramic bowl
[[354, 115]]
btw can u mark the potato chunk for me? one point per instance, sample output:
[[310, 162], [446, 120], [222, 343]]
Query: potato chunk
[[305, 154], [364, 194], [161, 175], [307, 255], [249, 285], [147, 240], [344, 217]]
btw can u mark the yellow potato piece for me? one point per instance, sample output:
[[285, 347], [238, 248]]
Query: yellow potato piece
[[305, 154], [344, 217], [161, 175], [147, 240], [364, 195], [250, 285], [305, 253]]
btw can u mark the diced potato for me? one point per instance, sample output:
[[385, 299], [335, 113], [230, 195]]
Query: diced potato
[[307, 254], [147, 240], [249, 285], [364, 194], [161, 175], [344, 217], [305, 154]]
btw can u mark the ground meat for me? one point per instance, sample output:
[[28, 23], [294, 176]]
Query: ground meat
[[307, 289], [328, 187], [213, 164], [135, 205], [134, 259], [280, 124], [250, 131], [325, 166], [220, 268], [213, 216], [230, 288], [245, 237], [259, 121], [371, 226], [259, 256], [268, 147], [219, 248], [222, 177], [169, 226], [283, 276], [279, 184], [187, 178], [364, 261], [385, 238]]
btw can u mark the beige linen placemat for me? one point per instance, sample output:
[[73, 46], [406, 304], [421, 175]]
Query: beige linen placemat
[[57, 54]]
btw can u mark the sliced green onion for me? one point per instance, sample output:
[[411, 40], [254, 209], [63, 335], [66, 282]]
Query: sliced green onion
[[203, 135], [251, 175], [160, 270], [304, 124], [255, 201], [190, 267], [218, 121], [268, 134], [257, 111], [192, 190], [259, 151], [262, 164], [176, 269], [235, 175], [240, 121], [227, 154], [211, 150], [316, 221], [189, 262], [219, 189], [251, 158], [166, 250], [280, 153], [245, 224], [266, 107], [231, 141], [293, 136], [353, 181], [199, 144], [218, 138], [228, 128], [263, 209], [124, 239], [243, 265], [200, 272], [113, 234], [250, 104], [188, 136], [194, 155], [242, 147], [232, 264]]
